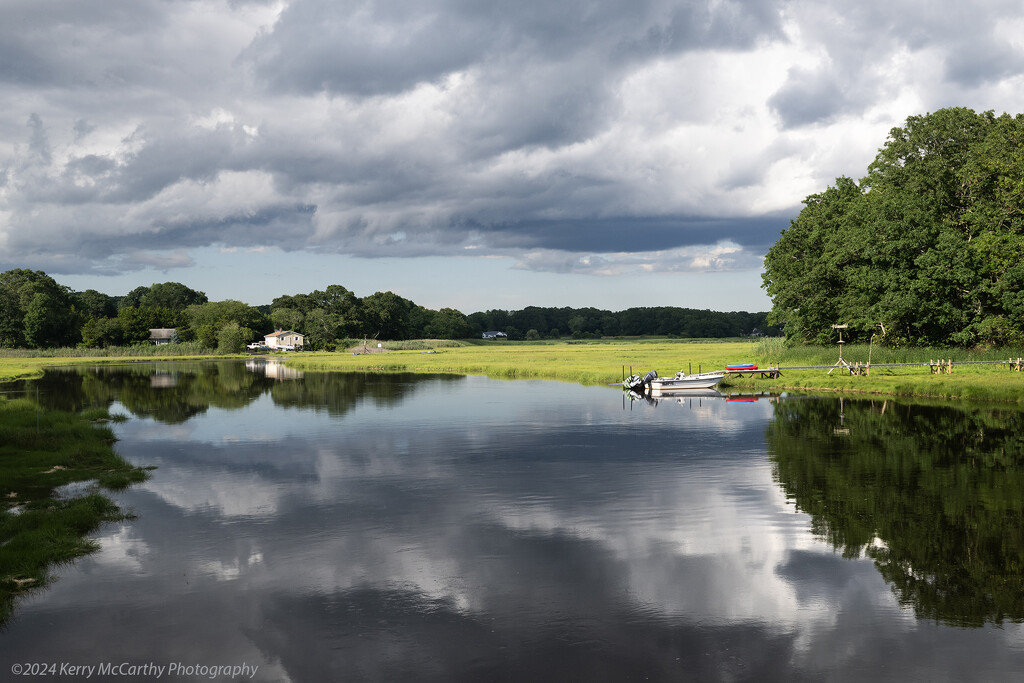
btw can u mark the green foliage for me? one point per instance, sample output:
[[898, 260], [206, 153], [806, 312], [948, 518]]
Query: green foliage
[[232, 338], [11, 320], [134, 351], [46, 322], [448, 324], [93, 304], [102, 332], [172, 295], [288, 319], [928, 244], [222, 324], [41, 450], [219, 313], [136, 322], [61, 318], [592, 323], [385, 315], [322, 329], [35, 311]]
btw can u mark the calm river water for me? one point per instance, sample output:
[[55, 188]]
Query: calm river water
[[334, 527]]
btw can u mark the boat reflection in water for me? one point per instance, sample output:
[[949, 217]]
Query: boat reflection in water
[[696, 397]]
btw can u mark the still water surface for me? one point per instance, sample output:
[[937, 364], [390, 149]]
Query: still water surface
[[333, 527]]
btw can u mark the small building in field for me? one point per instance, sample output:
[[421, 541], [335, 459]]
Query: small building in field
[[162, 335], [285, 340], [494, 334]]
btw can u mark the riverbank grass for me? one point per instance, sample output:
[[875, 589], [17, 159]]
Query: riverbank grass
[[42, 451], [21, 364], [584, 362], [604, 362]]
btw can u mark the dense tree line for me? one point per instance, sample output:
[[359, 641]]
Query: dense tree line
[[37, 312], [929, 245], [534, 322]]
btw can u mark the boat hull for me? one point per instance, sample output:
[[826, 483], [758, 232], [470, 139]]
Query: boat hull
[[664, 385]]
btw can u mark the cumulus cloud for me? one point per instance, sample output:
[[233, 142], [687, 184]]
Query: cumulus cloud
[[568, 133]]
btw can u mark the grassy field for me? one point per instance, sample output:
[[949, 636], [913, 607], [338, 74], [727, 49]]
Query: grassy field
[[602, 362], [24, 366], [590, 362]]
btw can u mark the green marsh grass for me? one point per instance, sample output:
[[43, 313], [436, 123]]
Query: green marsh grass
[[133, 351], [604, 361], [992, 382], [584, 362], [40, 451], [26, 363]]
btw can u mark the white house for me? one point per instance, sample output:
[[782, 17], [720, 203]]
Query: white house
[[493, 334], [285, 339]]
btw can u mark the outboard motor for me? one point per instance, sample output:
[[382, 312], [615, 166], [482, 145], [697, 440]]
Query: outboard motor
[[638, 383]]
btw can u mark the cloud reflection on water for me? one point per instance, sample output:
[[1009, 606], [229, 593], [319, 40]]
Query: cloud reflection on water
[[509, 530]]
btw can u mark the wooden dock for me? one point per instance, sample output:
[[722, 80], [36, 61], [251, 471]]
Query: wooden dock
[[935, 366], [770, 372]]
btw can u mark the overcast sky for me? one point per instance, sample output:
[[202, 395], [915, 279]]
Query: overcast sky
[[464, 153]]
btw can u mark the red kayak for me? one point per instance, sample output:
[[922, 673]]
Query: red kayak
[[742, 367]]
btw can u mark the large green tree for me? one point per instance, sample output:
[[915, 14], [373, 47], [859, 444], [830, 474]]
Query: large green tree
[[36, 311], [386, 315], [47, 322], [927, 244], [448, 323], [173, 295], [205, 321]]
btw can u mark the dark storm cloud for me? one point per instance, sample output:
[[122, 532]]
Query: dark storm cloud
[[807, 98], [636, 233], [983, 62], [61, 43], [546, 71], [434, 127], [367, 48], [866, 49]]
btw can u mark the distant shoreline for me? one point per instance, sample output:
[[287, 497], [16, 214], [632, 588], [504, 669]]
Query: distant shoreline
[[600, 362]]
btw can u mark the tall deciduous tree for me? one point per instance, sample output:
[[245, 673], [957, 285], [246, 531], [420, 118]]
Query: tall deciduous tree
[[20, 288], [448, 323], [386, 315], [928, 243], [173, 295], [46, 322]]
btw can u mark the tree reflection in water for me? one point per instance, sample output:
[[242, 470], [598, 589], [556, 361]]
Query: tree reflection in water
[[931, 493], [174, 392]]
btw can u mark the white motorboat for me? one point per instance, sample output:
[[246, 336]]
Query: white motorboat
[[684, 382]]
